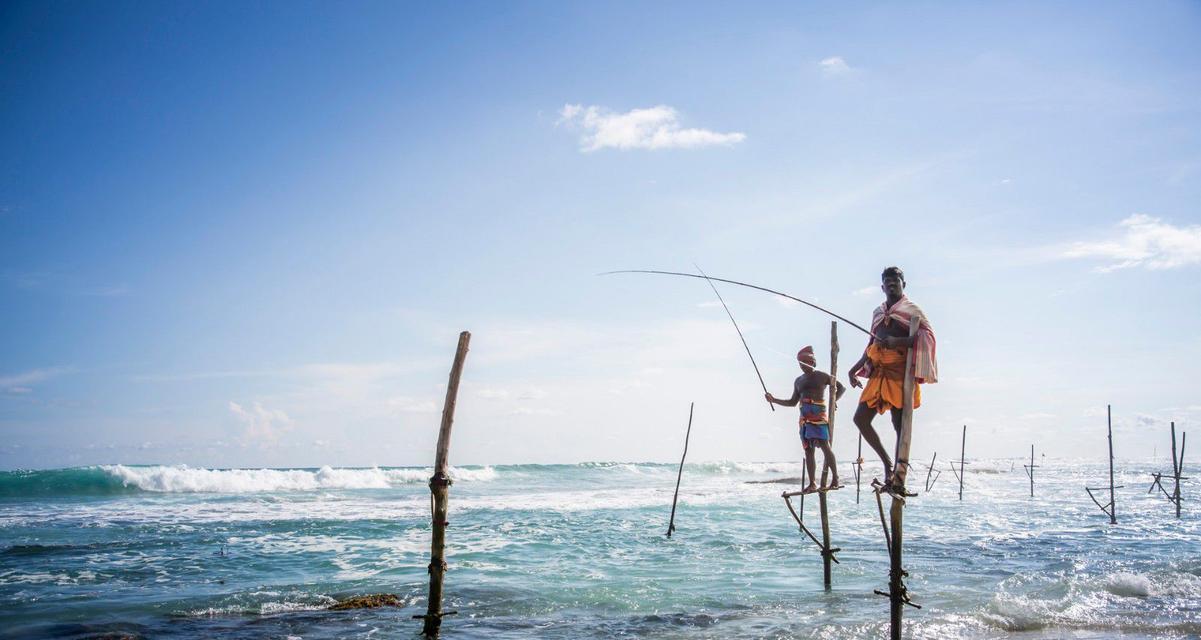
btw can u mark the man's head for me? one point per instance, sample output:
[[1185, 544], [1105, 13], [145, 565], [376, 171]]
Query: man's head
[[805, 358], [892, 282]]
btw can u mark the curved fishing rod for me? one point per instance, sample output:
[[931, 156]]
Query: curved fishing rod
[[749, 286], [740, 336]]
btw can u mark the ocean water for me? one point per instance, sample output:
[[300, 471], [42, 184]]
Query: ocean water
[[578, 551]]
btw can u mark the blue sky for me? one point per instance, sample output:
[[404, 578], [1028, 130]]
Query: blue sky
[[242, 235]]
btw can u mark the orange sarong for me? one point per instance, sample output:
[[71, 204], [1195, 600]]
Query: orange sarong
[[886, 387]]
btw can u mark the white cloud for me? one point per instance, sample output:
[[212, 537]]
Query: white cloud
[[533, 393], [1143, 241], [262, 426], [493, 394], [1037, 415], [533, 411], [866, 291], [406, 404], [655, 127], [20, 382], [835, 66]]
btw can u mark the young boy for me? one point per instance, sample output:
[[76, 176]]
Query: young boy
[[810, 391]]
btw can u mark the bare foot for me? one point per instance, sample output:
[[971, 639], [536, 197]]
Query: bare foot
[[809, 489]]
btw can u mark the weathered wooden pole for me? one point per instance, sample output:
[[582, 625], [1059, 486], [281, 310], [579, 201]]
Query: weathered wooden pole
[[821, 500], [833, 387], [671, 525], [1111, 508], [858, 467], [833, 406], [898, 596], [962, 458], [930, 485], [439, 488], [1113, 505], [1030, 470], [1177, 467]]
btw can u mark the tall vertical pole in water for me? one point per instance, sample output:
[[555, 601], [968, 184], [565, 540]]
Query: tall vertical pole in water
[[671, 525], [1177, 468], [858, 467], [898, 597], [1031, 471], [439, 488], [821, 498], [1113, 506], [962, 470]]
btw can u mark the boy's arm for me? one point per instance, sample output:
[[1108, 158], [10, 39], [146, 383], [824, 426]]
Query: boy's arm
[[791, 402]]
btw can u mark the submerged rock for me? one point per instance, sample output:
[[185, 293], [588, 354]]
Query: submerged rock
[[792, 480], [369, 601]]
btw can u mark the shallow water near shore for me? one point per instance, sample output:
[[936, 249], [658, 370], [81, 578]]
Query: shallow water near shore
[[578, 551]]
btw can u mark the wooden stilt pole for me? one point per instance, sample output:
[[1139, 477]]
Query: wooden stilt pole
[[962, 453], [671, 525], [1030, 470], [898, 596], [826, 557], [1113, 506], [1179, 469], [858, 467], [833, 406], [439, 488], [1175, 473], [929, 482]]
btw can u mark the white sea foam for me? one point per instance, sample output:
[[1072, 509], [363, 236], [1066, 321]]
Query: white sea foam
[[184, 479], [1129, 584]]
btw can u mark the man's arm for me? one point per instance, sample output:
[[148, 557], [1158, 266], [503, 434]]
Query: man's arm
[[791, 402], [855, 367]]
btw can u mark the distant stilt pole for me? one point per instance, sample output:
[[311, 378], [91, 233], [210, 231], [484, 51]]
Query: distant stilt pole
[[1111, 508], [962, 453], [439, 487], [1177, 468], [1030, 470], [1179, 464], [929, 484], [671, 525]]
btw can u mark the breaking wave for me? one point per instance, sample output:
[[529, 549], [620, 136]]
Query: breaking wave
[[119, 478]]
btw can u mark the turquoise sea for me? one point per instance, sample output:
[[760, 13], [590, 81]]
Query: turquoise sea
[[578, 551]]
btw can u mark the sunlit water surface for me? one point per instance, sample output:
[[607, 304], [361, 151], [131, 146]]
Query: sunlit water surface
[[578, 551]]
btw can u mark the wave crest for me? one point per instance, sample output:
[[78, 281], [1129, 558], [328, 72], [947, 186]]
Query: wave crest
[[183, 479]]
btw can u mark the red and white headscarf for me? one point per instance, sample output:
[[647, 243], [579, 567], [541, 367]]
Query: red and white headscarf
[[806, 356], [925, 363]]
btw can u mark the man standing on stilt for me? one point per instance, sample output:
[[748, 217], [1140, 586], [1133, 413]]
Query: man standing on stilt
[[809, 390], [883, 362]]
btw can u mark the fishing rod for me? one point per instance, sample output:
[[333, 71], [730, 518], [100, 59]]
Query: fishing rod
[[740, 337], [749, 286]]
